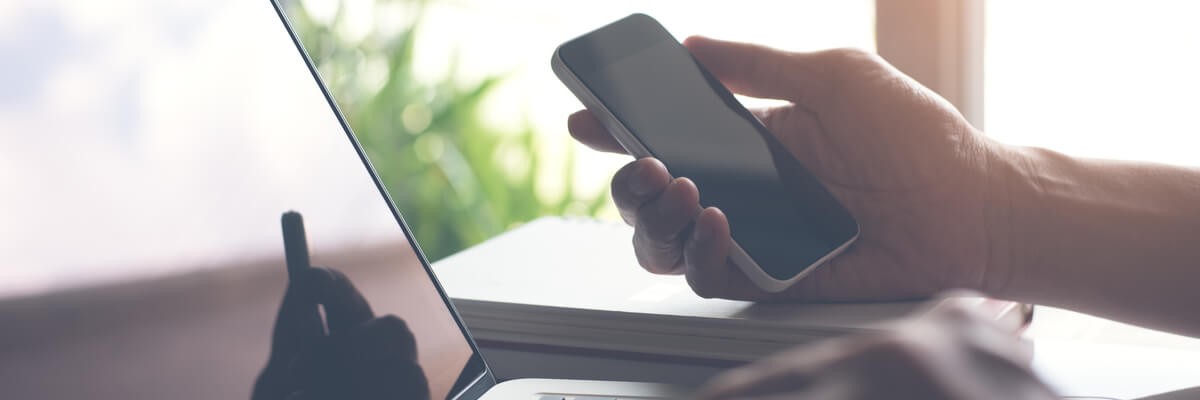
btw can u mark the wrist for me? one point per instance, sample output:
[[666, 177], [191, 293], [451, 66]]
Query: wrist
[[1111, 238], [1012, 188], [1026, 223]]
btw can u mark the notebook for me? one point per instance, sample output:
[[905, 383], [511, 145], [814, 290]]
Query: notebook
[[575, 283]]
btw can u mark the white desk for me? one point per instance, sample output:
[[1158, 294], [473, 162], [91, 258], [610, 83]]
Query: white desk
[[1084, 355]]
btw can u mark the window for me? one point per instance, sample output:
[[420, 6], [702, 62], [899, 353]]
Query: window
[[1110, 79], [518, 38]]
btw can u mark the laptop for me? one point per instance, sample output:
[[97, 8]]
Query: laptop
[[150, 147], [475, 380]]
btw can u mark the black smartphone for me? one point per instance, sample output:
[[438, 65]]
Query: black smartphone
[[658, 101]]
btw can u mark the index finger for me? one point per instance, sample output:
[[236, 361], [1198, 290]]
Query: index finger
[[298, 323], [588, 130], [764, 72]]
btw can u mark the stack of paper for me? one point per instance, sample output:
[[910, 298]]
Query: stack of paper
[[576, 283]]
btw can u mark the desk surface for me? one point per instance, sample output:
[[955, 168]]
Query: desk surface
[[1085, 355]]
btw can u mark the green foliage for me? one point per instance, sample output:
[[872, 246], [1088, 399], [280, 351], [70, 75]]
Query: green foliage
[[457, 180]]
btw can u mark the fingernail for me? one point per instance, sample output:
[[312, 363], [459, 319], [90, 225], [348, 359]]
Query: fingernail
[[639, 181]]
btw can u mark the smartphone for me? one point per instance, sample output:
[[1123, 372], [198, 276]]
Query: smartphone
[[658, 101]]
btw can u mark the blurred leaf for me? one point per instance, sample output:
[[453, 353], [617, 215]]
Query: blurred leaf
[[449, 173]]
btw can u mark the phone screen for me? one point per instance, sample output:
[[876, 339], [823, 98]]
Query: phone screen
[[778, 212]]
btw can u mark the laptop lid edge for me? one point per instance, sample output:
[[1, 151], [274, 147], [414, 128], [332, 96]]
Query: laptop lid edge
[[482, 381]]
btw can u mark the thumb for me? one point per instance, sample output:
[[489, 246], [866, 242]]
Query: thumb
[[760, 71]]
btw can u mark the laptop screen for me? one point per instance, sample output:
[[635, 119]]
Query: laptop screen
[[147, 152]]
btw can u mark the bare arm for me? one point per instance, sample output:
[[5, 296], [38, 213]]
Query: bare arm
[[1113, 238]]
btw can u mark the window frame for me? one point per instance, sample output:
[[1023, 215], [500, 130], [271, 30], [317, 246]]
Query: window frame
[[940, 44]]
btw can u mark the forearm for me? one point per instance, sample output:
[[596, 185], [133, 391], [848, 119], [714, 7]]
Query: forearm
[[1111, 238]]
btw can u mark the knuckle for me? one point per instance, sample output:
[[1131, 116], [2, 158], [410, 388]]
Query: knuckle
[[655, 255], [843, 62], [621, 185], [657, 225], [653, 235], [850, 55], [391, 323], [622, 199], [620, 181], [629, 217], [335, 276], [320, 281]]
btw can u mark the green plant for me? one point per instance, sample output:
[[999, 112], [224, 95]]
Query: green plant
[[457, 180]]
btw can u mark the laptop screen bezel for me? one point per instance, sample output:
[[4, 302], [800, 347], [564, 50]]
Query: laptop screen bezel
[[483, 378]]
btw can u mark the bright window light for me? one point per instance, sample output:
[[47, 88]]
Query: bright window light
[[518, 38], [1111, 79]]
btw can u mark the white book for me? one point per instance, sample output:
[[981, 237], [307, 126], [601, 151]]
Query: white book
[[576, 283]]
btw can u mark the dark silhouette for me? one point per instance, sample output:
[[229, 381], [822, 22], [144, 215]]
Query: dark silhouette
[[351, 354]]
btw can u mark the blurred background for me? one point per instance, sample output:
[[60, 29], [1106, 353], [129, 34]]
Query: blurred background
[[455, 103], [147, 147], [454, 99]]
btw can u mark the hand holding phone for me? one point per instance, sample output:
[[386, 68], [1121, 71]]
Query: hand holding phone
[[657, 101], [922, 182]]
